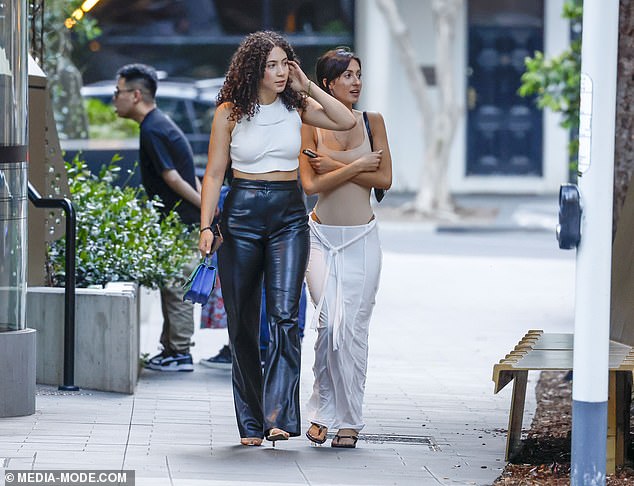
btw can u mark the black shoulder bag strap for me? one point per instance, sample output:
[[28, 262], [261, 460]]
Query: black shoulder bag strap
[[379, 194]]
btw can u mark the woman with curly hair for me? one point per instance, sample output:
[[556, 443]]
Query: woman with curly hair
[[257, 126]]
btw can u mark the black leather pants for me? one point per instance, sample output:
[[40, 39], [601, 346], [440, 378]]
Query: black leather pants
[[266, 238]]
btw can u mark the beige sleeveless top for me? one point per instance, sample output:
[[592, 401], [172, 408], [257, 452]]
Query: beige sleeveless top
[[348, 204]]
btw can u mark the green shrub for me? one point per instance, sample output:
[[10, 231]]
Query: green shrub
[[104, 123], [120, 234], [555, 81]]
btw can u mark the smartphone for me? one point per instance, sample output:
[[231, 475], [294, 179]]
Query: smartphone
[[310, 153]]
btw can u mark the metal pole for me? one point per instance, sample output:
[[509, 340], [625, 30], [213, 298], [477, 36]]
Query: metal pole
[[69, 300], [69, 282], [594, 254]]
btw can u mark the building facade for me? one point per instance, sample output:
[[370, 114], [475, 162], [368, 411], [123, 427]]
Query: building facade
[[503, 143]]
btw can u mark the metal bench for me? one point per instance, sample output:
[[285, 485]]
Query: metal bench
[[553, 352]]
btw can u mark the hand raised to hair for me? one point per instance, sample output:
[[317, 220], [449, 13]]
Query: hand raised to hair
[[297, 79]]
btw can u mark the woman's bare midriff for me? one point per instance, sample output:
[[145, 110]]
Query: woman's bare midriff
[[277, 175], [315, 218]]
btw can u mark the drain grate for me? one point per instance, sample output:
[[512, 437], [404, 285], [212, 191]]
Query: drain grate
[[45, 390], [424, 440]]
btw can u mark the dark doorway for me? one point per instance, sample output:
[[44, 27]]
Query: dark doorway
[[504, 131]]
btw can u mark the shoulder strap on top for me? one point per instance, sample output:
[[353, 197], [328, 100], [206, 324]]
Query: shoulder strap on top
[[319, 137], [367, 127], [378, 193]]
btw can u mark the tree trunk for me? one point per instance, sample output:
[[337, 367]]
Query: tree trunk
[[622, 288], [624, 141], [438, 125], [433, 196], [415, 76], [64, 78]]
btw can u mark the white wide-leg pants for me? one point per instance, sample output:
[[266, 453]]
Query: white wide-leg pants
[[343, 277]]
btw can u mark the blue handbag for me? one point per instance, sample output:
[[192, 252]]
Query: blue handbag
[[200, 283]]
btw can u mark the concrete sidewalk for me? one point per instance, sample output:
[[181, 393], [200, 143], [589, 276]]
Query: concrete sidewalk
[[441, 322]]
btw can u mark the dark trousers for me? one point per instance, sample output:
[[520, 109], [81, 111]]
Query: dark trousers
[[264, 322], [266, 239]]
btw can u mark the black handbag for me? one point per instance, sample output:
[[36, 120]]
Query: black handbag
[[379, 194]]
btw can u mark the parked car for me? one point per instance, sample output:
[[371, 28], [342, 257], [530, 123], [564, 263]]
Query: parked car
[[191, 104]]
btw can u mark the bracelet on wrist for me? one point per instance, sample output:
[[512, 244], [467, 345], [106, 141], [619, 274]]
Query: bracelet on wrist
[[205, 229]]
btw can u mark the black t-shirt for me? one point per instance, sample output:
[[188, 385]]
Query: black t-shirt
[[163, 146]]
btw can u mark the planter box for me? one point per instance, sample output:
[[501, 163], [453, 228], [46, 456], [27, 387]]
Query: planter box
[[106, 336]]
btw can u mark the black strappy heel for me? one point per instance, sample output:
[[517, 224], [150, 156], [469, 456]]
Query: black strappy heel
[[275, 434], [338, 437]]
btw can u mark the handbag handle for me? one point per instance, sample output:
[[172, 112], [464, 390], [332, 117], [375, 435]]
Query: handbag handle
[[207, 260]]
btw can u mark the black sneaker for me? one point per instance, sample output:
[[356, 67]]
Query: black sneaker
[[221, 361], [177, 362]]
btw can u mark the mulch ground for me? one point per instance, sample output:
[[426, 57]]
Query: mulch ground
[[545, 456]]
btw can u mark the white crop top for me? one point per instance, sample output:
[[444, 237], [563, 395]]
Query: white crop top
[[270, 141]]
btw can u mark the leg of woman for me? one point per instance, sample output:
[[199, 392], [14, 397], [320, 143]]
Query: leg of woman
[[321, 405], [349, 363], [240, 264], [286, 259], [352, 283]]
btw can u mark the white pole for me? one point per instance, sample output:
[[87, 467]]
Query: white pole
[[592, 311]]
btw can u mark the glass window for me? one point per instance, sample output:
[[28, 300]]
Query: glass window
[[196, 38]]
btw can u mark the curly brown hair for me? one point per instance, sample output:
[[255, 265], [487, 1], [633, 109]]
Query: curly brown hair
[[247, 70]]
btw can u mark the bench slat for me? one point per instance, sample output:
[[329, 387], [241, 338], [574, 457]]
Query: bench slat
[[541, 351]]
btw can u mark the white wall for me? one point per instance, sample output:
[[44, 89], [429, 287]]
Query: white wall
[[555, 153], [386, 89]]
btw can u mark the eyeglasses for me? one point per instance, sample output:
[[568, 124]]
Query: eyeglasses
[[118, 91]]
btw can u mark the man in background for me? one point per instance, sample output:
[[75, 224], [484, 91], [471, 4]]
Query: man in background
[[167, 171]]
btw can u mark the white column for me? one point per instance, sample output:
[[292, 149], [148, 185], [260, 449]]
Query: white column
[[555, 158], [592, 310], [386, 87]]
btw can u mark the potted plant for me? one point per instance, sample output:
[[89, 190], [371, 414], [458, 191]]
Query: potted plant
[[122, 242]]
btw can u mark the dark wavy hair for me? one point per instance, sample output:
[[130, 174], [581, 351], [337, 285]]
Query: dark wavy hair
[[332, 64], [247, 70]]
